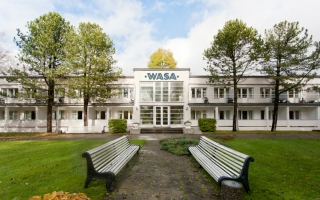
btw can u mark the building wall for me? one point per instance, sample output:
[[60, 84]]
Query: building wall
[[291, 116]]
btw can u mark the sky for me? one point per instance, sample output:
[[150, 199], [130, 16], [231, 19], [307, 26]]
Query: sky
[[138, 28]]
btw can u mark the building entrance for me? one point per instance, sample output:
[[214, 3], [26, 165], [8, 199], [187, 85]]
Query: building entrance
[[162, 116]]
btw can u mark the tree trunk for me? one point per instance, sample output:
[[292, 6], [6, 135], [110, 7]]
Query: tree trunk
[[85, 111], [276, 103], [49, 105], [235, 107]]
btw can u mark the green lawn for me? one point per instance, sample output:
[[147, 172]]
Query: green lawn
[[282, 168], [34, 168]]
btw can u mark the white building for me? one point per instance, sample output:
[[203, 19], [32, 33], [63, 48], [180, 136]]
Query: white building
[[167, 98]]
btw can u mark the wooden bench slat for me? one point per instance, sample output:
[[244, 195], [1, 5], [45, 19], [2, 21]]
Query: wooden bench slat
[[107, 160], [221, 162]]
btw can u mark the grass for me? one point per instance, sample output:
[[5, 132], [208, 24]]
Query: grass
[[283, 168], [34, 168], [262, 132]]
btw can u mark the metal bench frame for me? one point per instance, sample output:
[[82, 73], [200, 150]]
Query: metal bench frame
[[107, 160], [221, 162]]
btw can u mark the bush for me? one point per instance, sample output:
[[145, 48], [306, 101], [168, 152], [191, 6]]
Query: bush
[[207, 124], [117, 125], [178, 146]]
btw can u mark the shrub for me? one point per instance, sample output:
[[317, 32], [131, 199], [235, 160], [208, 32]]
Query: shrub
[[178, 146], [207, 124], [117, 125]]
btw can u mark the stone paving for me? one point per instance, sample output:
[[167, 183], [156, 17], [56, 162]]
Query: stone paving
[[157, 174]]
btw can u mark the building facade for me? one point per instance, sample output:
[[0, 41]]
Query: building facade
[[166, 98]]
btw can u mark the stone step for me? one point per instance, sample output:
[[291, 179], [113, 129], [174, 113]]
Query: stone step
[[161, 131]]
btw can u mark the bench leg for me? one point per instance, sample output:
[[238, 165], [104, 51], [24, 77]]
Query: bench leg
[[109, 179], [88, 180]]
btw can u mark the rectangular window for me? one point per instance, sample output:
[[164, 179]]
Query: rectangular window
[[100, 115], [270, 114], [197, 114], [13, 115], [244, 115], [146, 91], [294, 93], [294, 114], [125, 93], [61, 114], [146, 114], [79, 114], [10, 92], [245, 92], [224, 114], [2, 116], [198, 92], [74, 114], [29, 115], [176, 114], [262, 114], [221, 93], [266, 92], [124, 114], [161, 91]]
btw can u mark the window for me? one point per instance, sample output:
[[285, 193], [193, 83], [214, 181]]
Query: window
[[61, 114], [100, 114], [2, 115], [294, 114], [224, 114], [146, 114], [270, 114], [13, 115], [243, 114], [262, 114], [176, 114], [29, 115], [10, 92], [294, 93], [176, 91], [197, 114], [221, 93], [245, 92], [146, 91], [198, 92], [161, 91], [125, 93], [267, 93], [76, 114], [124, 114]]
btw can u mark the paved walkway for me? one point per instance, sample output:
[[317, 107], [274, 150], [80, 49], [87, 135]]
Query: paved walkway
[[157, 174]]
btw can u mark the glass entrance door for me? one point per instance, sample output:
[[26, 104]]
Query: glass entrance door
[[162, 115]]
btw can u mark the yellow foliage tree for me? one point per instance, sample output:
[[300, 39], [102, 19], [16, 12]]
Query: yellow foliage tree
[[162, 58]]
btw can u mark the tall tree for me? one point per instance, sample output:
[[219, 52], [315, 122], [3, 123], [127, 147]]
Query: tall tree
[[162, 58], [233, 52], [42, 54], [91, 65], [287, 59]]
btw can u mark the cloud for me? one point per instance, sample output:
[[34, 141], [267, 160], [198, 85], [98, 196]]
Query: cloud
[[261, 15], [135, 31]]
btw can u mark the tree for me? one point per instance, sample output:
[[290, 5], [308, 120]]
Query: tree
[[162, 58], [91, 65], [233, 52], [42, 54], [286, 60]]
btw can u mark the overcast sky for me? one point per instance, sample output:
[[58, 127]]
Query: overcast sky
[[138, 28]]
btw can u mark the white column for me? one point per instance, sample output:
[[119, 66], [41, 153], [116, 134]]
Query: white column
[[6, 117], [37, 117]]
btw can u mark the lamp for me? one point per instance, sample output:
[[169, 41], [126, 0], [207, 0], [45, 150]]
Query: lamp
[[187, 108], [136, 108]]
